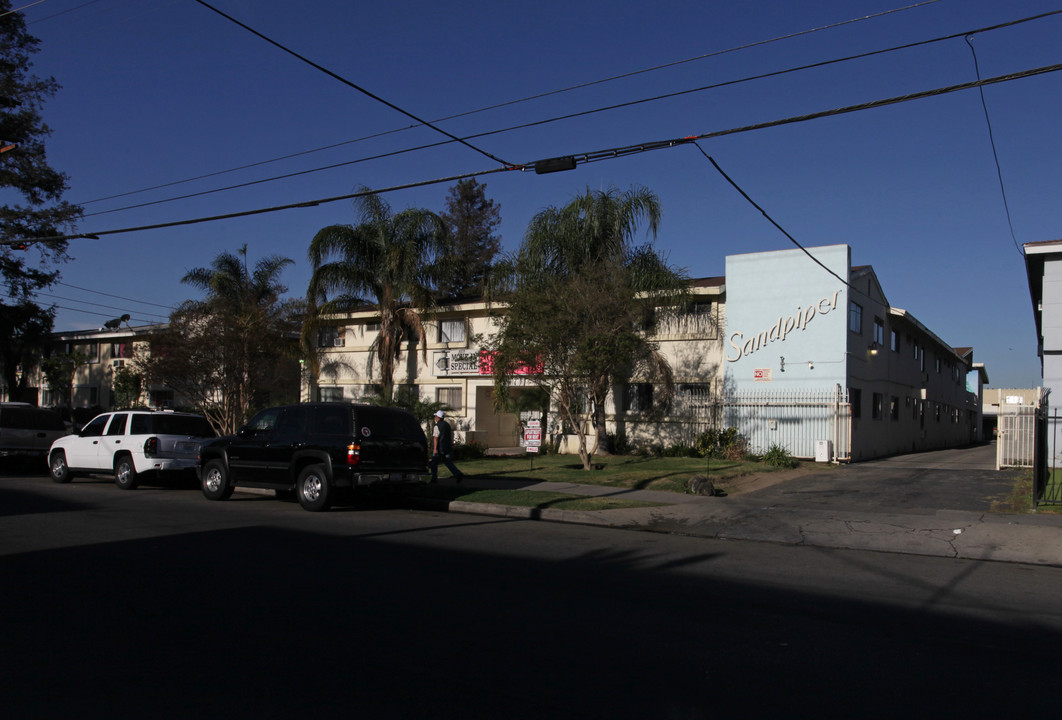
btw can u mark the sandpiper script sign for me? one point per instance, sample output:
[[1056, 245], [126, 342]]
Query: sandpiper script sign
[[742, 346]]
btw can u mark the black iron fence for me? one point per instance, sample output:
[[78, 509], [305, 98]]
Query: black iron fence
[[1047, 464]]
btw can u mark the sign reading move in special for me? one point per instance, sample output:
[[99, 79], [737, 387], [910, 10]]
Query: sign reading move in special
[[448, 363]]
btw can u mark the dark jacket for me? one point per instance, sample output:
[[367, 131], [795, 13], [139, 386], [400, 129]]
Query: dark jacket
[[446, 436]]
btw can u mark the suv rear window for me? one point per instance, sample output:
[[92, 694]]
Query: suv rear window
[[171, 425], [384, 422]]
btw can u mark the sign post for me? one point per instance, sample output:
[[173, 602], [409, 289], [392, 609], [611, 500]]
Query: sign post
[[533, 439]]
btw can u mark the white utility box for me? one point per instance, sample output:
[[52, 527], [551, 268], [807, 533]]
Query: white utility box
[[823, 451]]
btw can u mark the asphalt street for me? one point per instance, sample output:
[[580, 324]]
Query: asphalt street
[[157, 603]]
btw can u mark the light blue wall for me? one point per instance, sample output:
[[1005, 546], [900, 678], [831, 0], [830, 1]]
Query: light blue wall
[[782, 304]]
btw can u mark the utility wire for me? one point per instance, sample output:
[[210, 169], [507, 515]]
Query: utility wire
[[569, 116], [764, 213], [350, 84], [509, 102], [583, 158], [117, 297], [85, 302], [995, 154]]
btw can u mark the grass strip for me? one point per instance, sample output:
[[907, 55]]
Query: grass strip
[[527, 498]]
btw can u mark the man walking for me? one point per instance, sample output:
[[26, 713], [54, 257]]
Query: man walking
[[442, 438]]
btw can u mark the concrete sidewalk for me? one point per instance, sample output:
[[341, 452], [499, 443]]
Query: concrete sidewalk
[[978, 535]]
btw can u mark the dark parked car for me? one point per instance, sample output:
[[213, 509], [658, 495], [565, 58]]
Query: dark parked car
[[28, 430], [312, 449]]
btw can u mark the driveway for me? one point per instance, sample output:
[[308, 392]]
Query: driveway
[[918, 483]]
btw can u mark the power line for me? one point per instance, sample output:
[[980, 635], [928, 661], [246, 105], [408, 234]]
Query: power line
[[569, 116], [350, 84], [583, 158], [509, 102], [117, 297], [764, 213], [995, 154]]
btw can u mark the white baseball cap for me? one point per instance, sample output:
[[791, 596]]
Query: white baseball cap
[[439, 414]]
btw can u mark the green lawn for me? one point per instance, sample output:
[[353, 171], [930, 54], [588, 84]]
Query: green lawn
[[640, 473]]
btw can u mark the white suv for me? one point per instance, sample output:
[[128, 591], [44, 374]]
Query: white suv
[[131, 444]]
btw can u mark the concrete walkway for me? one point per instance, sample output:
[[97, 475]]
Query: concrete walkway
[[929, 504]]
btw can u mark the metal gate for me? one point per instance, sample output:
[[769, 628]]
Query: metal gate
[[1016, 437], [795, 420]]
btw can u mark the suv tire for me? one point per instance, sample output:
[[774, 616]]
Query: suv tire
[[312, 488], [125, 475], [58, 468], [215, 483]]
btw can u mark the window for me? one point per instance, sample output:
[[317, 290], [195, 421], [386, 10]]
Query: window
[[449, 396], [161, 398], [95, 428], [121, 350], [330, 337], [265, 421], [330, 394], [879, 331], [371, 328], [876, 407], [895, 342], [117, 426], [91, 351], [86, 395], [637, 397], [894, 408], [855, 397], [452, 331], [855, 318], [936, 362]]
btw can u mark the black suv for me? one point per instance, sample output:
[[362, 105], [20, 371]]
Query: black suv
[[314, 448]]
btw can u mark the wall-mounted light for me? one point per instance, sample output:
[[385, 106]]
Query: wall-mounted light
[[811, 365], [872, 348]]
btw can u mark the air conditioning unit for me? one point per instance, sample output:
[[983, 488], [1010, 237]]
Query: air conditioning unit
[[119, 363]]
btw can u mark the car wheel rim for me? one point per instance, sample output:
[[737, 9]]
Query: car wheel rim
[[123, 473], [58, 465], [213, 480], [311, 489]]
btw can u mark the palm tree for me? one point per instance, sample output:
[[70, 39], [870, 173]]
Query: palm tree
[[228, 345], [388, 261], [593, 297]]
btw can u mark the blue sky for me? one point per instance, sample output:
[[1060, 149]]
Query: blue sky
[[159, 92]]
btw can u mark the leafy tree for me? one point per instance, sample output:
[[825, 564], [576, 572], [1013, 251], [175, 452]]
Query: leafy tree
[[472, 220], [24, 330], [581, 301], [233, 349], [59, 371], [388, 261], [24, 165], [128, 386], [24, 169]]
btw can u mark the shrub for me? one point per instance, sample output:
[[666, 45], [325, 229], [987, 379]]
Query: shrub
[[467, 451], [728, 444], [778, 456], [618, 444]]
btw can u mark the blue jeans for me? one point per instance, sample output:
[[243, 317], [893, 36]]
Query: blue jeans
[[448, 461]]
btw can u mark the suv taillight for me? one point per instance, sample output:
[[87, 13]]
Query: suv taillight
[[353, 454], [151, 446]]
